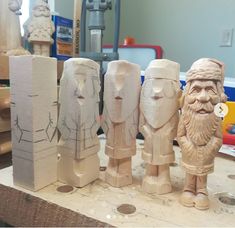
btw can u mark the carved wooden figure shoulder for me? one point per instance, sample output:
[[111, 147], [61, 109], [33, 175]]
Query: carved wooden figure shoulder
[[41, 28], [121, 113], [10, 37], [158, 122], [199, 133], [79, 122]]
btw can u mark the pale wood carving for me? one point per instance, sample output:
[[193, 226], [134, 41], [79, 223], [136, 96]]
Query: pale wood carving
[[159, 115], [5, 142], [41, 28], [10, 37], [121, 113], [78, 122], [5, 116], [200, 132], [33, 120]]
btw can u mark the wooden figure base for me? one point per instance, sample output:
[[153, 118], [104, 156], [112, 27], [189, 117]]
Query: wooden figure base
[[97, 203], [78, 173], [118, 173], [157, 179]]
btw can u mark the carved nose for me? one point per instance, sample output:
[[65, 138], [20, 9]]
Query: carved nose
[[118, 95], [157, 94], [203, 96]]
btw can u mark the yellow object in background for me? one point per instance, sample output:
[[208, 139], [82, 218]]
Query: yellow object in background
[[229, 125]]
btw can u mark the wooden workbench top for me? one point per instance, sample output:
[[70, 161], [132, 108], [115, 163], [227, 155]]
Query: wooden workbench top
[[96, 204]]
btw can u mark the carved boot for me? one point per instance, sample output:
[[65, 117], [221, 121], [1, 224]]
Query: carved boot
[[157, 179], [188, 195], [201, 200], [149, 183], [119, 172]]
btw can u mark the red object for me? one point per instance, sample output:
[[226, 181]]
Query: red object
[[229, 139], [129, 40], [158, 49]]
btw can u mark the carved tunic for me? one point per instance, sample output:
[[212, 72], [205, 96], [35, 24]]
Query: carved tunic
[[121, 139], [158, 148], [198, 160]]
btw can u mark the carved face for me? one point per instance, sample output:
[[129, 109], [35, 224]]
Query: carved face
[[158, 101], [41, 10], [198, 110], [81, 90], [202, 96], [121, 96], [14, 5]]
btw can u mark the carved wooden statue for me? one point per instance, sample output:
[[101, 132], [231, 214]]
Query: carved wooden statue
[[159, 115], [121, 113], [10, 37], [41, 28], [79, 122], [199, 132], [33, 120]]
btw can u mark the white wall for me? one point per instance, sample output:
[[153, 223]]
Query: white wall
[[186, 29]]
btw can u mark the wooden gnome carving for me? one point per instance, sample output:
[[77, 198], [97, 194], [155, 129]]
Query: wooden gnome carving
[[79, 122], [10, 36], [121, 112], [199, 132], [158, 123], [41, 28]]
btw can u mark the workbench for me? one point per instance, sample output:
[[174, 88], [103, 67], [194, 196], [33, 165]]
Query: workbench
[[97, 204]]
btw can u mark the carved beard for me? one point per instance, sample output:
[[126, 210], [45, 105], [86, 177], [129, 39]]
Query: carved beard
[[200, 127]]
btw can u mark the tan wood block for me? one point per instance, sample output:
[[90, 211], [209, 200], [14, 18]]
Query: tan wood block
[[4, 67], [33, 81], [5, 121], [5, 142]]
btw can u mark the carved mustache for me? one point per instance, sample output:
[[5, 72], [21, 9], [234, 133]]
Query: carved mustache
[[202, 107]]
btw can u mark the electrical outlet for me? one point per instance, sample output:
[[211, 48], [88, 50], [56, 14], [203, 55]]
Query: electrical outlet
[[226, 38]]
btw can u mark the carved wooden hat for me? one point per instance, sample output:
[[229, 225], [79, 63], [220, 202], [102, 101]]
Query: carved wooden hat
[[84, 62], [206, 69], [41, 3], [163, 69], [123, 67]]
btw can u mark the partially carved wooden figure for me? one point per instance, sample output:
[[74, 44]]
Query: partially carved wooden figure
[[78, 122], [41, 28], [10, 37], [199, 132], [159, 115], [121, 113]]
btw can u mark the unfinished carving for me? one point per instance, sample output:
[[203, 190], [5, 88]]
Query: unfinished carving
[[199, 133], [121, 113], [10, 37], [79, 122], [41, 28], [158, 123], [33, 120]]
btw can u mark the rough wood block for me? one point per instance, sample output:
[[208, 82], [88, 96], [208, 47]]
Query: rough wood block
[[5, 116], [33, 120], [4, 67]]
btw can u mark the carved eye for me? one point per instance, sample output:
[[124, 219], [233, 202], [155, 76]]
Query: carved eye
[[195, 89], [211, 90]]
